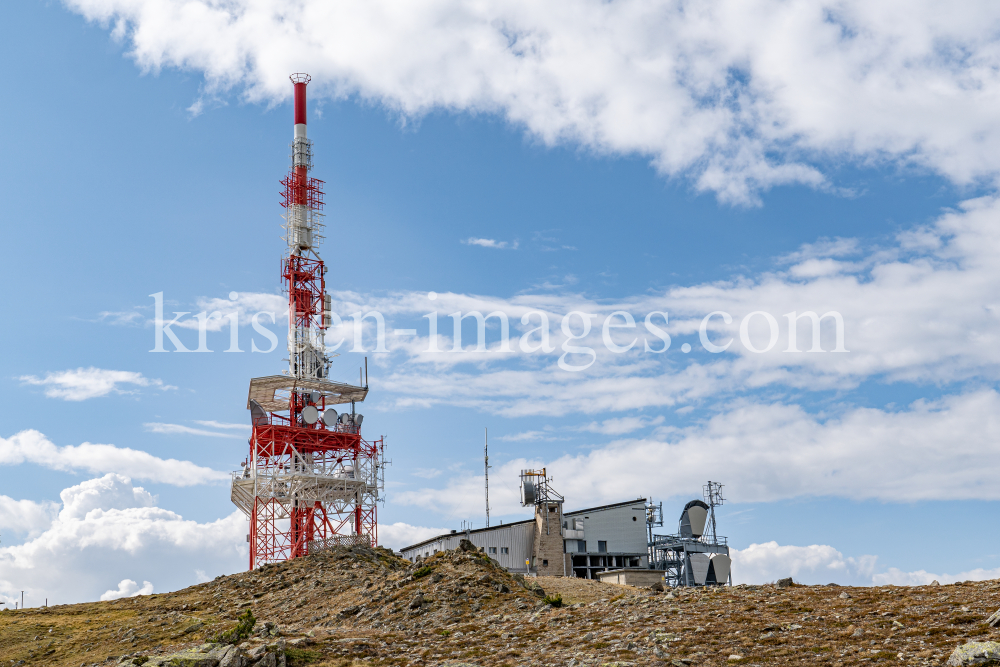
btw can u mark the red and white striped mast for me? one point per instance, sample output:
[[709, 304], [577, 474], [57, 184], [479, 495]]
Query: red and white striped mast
[[311, 480]]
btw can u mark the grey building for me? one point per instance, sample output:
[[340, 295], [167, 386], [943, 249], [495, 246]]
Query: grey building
[[594, 540]]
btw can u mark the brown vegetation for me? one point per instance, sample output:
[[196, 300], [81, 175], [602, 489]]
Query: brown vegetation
[[365, 606]]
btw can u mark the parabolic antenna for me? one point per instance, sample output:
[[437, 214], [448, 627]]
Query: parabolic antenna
[[310, 414], [528, 496], [258, 416], [330, 417]]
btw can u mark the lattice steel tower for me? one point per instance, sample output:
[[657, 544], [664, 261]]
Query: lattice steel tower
[[311, 480]]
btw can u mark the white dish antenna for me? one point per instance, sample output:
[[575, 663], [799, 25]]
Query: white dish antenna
[[310, 414]]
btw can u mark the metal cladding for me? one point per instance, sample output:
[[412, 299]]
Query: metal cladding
[[699, 567], [693, 518], [311, 481], [719, 568]]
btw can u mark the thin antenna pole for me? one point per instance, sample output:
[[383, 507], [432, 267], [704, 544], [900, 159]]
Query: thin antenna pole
[[486, 463]]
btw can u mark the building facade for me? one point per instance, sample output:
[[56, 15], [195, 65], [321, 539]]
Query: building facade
[[581, 543]]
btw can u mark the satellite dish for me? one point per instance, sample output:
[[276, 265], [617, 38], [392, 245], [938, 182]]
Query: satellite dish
[[258, 416], [330, 417], [345, 418], [310, 414], [314, 397], [358, 419], [527, 493]]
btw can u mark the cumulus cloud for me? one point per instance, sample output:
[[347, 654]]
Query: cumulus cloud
[[84, 383], [32, 447], [398, 535], [128, 589], [107, 528], [26, 516], [814, 564], [739, 95], [822, 564]]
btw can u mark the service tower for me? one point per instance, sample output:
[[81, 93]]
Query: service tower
[[311, 481]]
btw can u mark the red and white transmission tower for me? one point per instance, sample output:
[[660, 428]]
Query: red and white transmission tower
[[311, 480]]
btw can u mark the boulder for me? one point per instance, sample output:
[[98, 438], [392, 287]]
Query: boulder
[[994, 620], [975, 653], [206, 655], [784, 583]]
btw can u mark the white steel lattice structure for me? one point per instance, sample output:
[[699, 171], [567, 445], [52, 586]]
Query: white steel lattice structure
[[311, 480]]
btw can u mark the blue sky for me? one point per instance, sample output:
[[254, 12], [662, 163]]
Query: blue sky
[[135, 163]]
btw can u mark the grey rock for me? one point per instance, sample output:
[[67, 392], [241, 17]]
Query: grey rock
[[784, 583], [994, 620], [658, 587], [858, 633], [975, 653], [268, 660], [845, 596], [232, 658], [417, 601]]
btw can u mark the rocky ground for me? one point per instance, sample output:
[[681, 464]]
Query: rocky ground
[[352, 607]]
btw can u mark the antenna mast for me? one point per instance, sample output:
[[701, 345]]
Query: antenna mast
[[486, 453]]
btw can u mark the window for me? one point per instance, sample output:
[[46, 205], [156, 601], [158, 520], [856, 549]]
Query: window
[[505, 550], [493, 550], [602, 546], [581, 546], [633, 518], [545, 563]]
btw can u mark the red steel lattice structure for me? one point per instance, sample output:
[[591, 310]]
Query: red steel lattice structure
[[311, 480]]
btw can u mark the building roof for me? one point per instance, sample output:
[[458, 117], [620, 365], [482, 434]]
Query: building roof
[[518, 523]]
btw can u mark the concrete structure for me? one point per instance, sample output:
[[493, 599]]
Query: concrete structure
[[632, 577], [581, 543]]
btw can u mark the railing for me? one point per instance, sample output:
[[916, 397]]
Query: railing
[[339, 541], [659, 540]]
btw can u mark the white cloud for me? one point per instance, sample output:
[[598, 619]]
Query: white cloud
[[822, 564], [107, 528], [32, 447], [26, 516], [739, 95], [767, 452], [224, 425], [527, 436], [426, 473], [176, 429], [128, 589], [84, 383], [398, 535], [918, 312], [491, 243], [896, 577], [814, 564], [621, 425]]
